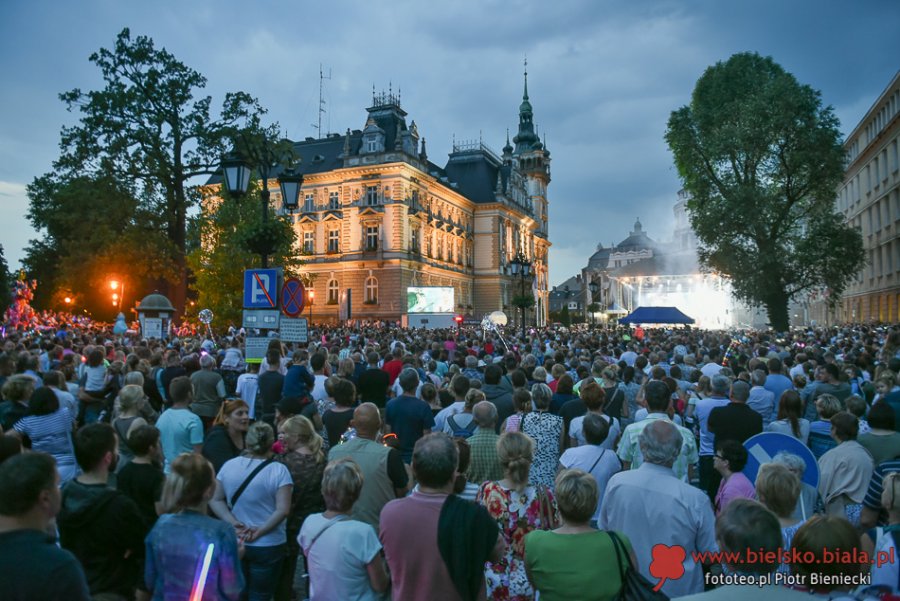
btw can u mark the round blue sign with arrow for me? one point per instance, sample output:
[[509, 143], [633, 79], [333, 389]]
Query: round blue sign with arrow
[[293, 296], [762, 448]]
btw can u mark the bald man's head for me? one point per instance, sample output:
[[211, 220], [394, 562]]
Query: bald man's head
[[366, 420]]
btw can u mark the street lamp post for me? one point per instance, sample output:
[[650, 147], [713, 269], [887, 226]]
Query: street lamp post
[[118, 292], [521, 266], [593, 288], [237, 171], [312, 297]]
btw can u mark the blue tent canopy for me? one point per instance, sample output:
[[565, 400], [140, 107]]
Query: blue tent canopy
[[656, 315]]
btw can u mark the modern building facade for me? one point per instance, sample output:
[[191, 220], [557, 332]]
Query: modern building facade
[[376, 216], [869, 199]]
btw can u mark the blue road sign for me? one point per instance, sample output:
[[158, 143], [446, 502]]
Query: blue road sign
[[261, 289], [292, 297], [762, 448]]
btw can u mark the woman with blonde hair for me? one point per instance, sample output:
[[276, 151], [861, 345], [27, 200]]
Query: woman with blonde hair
[[884, 540], [253, 494], [130, 400], [778, 488], [519, 508], [343, 554], [225, 440], [577, 561], [183, 537], [305, 460]]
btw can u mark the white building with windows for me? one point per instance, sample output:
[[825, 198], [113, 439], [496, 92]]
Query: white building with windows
[[869, 199]]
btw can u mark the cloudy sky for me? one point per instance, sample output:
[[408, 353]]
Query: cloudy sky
[[603, 78]]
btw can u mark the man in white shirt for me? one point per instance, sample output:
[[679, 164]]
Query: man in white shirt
[[247, 384], [709, 477], [651, 506], [761, 400], [459, 386], [712, 368]]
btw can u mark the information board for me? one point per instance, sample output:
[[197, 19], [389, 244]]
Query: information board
[[261, 319], [294, 329], [152, 328], [255, 348]]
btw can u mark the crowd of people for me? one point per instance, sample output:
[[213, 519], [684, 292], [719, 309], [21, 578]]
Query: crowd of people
[[376, 463]]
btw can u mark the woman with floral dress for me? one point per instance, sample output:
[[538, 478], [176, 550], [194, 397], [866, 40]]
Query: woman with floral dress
[[546, 430], [519, 508]]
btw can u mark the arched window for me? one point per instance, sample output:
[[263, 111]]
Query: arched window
[[371, 290], [332, 292]]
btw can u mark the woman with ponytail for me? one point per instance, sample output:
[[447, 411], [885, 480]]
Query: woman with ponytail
[[519, 508], [789, 422], [225, 440], [254, 496], [181, 540], [306, 461]]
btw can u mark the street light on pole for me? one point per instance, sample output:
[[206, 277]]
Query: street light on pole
[[521, 267], [237, 169], [593, 287], [312, 298]]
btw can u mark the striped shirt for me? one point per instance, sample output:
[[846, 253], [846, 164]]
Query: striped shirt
[[51, 434], [876, 484]]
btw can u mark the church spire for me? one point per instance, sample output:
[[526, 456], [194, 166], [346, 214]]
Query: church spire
[[525, 96], [526, 136]]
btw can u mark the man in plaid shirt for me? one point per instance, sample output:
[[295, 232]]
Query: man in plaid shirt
[[484, 464]]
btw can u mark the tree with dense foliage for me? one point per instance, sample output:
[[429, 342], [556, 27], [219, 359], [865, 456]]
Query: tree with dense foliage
[[94, 230], [148, 127], [762, 159]]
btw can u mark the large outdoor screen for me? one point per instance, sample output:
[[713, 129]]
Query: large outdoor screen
[[431, 299]]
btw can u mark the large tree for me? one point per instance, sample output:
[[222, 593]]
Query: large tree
[[94, 230], [762, 159], [148, 126]]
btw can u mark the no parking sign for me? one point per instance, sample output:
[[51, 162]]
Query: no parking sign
[[762, 448], [293, 295]]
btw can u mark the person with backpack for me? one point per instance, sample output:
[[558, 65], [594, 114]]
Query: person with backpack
[[463, 425]]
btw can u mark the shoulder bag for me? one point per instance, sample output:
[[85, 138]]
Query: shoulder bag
[[634, 586], [335, 520], [548, 517], [237, 494]]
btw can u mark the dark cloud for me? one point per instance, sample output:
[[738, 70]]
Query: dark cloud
[[603, 78]]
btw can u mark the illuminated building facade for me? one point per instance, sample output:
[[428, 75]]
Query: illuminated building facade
[[377, 216]]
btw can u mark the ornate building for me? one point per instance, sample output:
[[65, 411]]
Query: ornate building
[[377, 216], [869, 199]]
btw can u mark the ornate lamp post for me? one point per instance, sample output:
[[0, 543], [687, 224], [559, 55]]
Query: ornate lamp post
[[593, 288], [237, 171], [521, 267]]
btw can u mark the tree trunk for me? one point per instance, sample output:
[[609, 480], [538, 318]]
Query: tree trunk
[[777, 309]]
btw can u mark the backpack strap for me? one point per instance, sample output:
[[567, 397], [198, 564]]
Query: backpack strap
[[237, 494]]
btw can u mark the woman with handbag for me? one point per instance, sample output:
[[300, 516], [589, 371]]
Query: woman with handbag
[[576, 561], [253, 494], [305, 461], [519, 508], [343, 555], [546, 430]]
